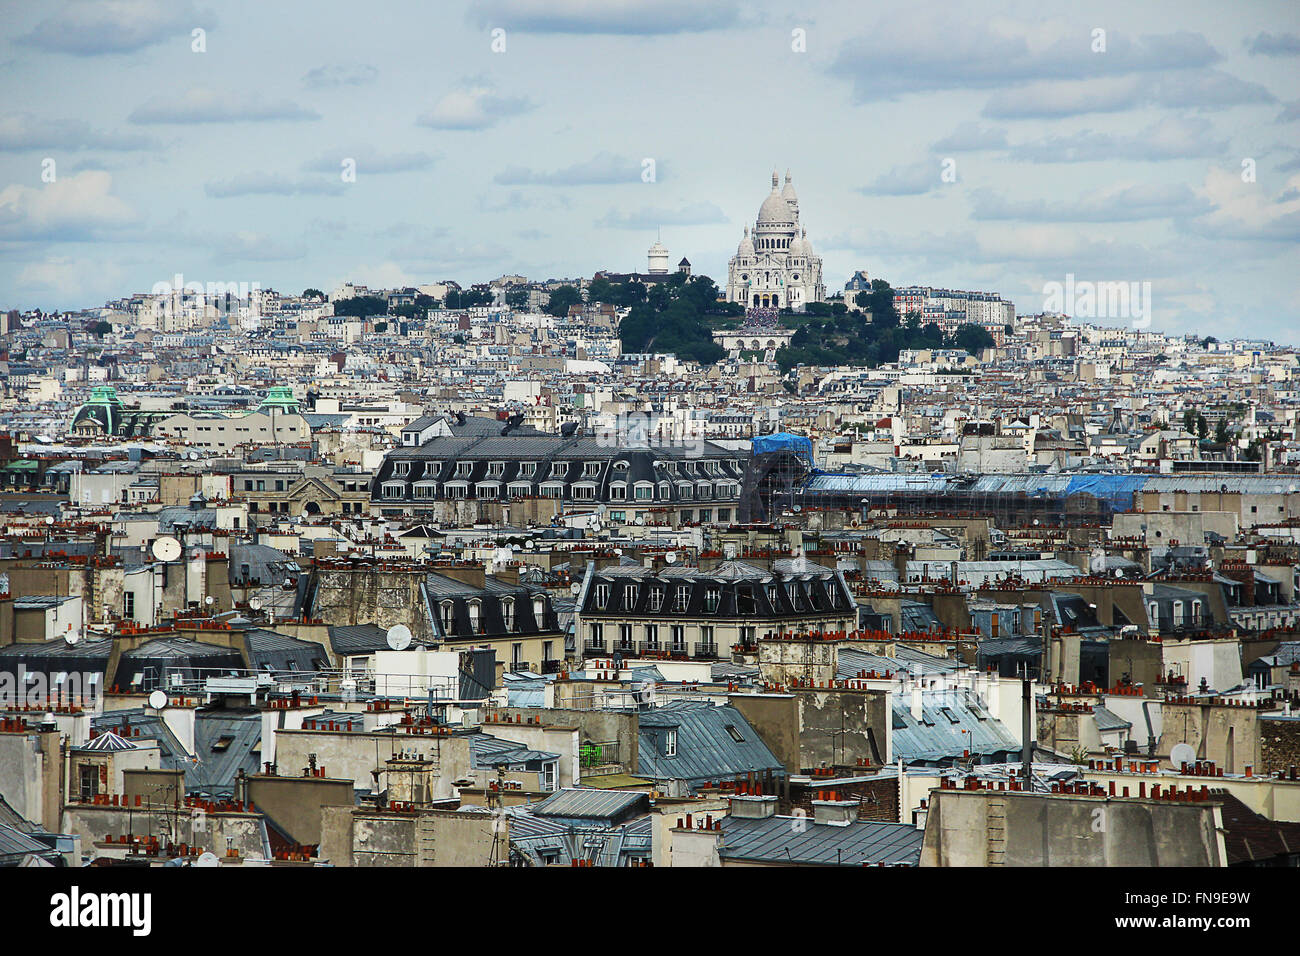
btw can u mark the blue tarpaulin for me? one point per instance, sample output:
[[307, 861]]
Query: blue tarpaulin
[[784, 441]]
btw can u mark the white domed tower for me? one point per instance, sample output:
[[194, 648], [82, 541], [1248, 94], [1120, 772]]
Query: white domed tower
[[775, 268], [657, 260]]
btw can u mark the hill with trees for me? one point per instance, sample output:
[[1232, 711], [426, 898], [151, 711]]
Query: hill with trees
[[833, 335]]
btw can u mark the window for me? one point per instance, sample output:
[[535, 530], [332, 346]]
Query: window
[[736, 735], [463, 468], [679, 637], [644, 491], [548, 777], [629, 596], [670, 743], [652, 636], [539, 611], [508, 613], [559, 469], [402, 468], [547, 650], [591, 469], [625, 635], [516, 656], [128, 604], [602, 595], [712, 597], [683, 597], [597, 635], [618, 492], [527, 469], [223, 742], [656, 598], [448, 612], [496, 469]]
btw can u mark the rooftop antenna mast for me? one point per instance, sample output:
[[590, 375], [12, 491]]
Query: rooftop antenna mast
[[1026, 741], [495, 802]]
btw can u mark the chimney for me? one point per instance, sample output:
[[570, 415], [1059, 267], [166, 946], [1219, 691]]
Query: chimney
[[834, 813], [916, 699], [753, 808]]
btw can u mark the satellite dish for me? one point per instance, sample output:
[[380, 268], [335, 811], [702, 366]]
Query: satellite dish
[[209, 600], [575, 588], [256, 602], [639, 520], [166, 549], [158, 699], [1181, 754], [399, 637], [1097, 562], [49, 519], [530, 544], [207, 860], [670, 557], [72, 638]]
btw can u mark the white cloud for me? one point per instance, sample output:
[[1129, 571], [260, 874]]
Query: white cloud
[[73, 207], [118, 26], [473, 105], [22, 131], [203, 105], [628, 17]]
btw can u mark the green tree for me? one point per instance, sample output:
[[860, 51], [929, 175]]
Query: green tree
[[884, 314], [517, 299], [313, 294], [561, 299], [973, 338], [362, 306]]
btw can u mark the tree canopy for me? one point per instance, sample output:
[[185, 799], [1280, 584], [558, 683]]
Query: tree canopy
[[673, 318], [561, 299], [362, 306]]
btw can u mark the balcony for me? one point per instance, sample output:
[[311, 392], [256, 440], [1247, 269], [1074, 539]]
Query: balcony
[[595, 647], [707, 651]]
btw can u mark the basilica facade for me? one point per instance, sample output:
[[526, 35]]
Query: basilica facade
[[775, 268]]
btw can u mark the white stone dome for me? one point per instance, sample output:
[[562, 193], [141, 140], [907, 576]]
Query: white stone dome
[[775, 210]]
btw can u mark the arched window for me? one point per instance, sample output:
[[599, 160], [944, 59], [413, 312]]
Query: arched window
[[508, 613], [475, 617], [448, 612]]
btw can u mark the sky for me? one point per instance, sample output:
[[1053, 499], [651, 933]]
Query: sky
[[991, 146]]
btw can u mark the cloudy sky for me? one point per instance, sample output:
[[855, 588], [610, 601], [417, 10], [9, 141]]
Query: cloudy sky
[[505, 136]]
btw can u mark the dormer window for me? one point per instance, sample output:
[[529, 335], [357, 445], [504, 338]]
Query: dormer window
[[496, 469], [591, 469], [508, 613], [602, 596], [683, 597], [629, 596], [447, 611], [463, 468], [402, 468]]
